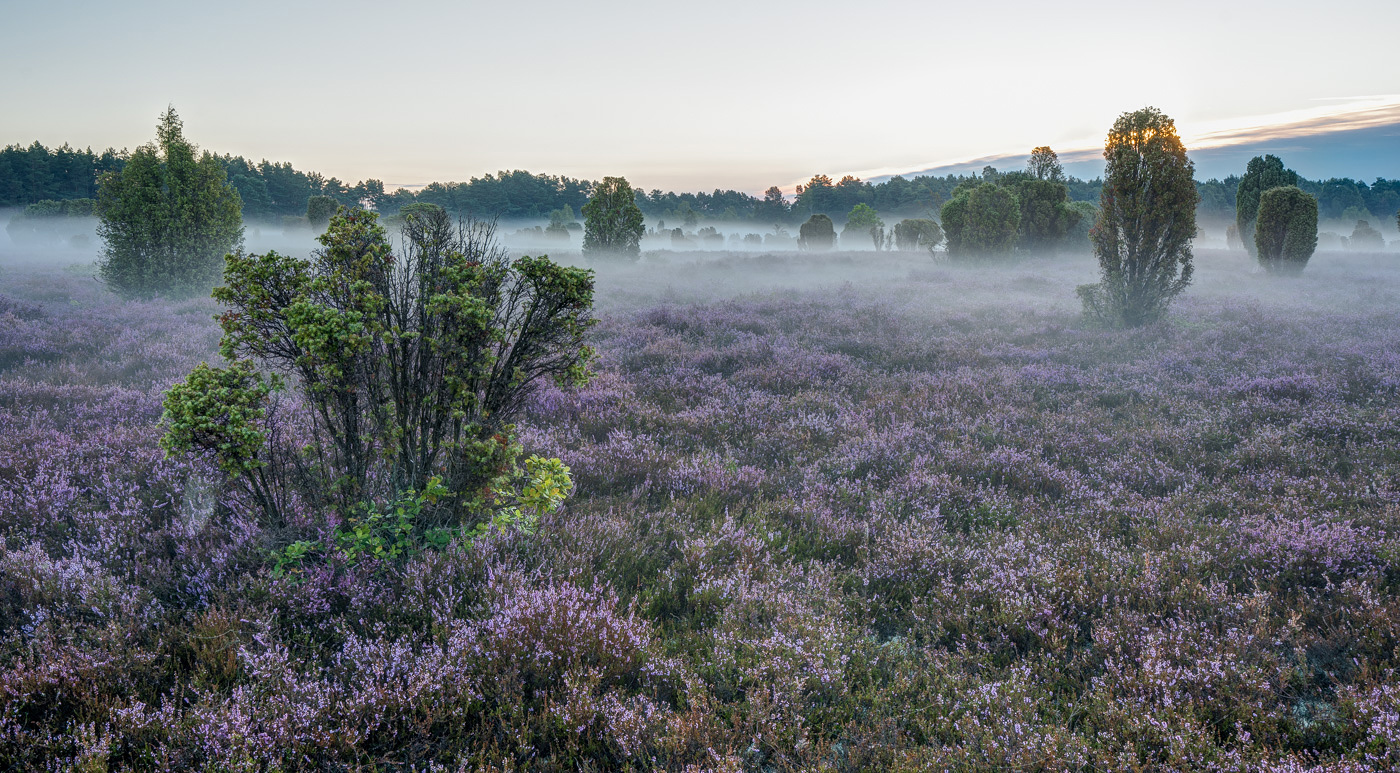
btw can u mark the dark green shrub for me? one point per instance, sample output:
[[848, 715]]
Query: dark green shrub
[[1286, 232], [1262, 173], [319, 210], [1047, 217], [412, 366], [981, 221], [817, 234]]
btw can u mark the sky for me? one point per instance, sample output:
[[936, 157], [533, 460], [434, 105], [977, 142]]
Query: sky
[[692, 96]]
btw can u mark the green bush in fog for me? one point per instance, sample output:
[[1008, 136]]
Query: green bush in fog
[[981, 221], [1047, 217], [1364, 237], [167, 218], [1262, 173], [862, 221], [319, 210], [917, 233], [817, 234], [1285, 233], [612, 221]]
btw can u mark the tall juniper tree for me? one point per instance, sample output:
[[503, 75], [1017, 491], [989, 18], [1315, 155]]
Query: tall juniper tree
[[1262, 173], [168, 218], [1147, 218], [612, 221], [1286, 235]]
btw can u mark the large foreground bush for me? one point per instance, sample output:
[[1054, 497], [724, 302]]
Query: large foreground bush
[[411, 367]]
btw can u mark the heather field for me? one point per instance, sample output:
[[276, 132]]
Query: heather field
[[860, 511]]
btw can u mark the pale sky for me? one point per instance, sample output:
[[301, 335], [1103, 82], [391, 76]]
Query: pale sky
[[682, 96]]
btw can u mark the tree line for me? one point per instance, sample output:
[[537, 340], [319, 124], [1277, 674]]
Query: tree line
[[270, 191]]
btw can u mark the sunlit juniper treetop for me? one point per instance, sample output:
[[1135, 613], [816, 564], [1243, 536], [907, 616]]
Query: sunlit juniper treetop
[[685, 97]]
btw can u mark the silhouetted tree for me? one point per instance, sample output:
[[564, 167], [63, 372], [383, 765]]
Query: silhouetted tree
[[1045, 165], [612, 221], [1286, 229], [817, 234], [1364, 237], [773, 208], [1147, 218], [167, 218], [1262, 173]]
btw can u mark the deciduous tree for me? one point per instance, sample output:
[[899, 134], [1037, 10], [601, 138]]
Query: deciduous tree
[[1364, 237], [1045, 165], [917, 233], [862, 221]]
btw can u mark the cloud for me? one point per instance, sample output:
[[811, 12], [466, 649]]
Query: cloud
[[1371, 114], [1368, 117]]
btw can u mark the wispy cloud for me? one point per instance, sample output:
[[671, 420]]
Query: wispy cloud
[[1339, 115], [1358, 113]]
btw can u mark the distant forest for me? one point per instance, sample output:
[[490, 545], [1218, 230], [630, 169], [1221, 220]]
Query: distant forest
[[271, 191]]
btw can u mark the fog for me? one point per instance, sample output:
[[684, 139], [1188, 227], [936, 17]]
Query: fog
[[717, 260]]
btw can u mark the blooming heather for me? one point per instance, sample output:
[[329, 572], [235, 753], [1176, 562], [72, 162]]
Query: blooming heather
[[923, 519]]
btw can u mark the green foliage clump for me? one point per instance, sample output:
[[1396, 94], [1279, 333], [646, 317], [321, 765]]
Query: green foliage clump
[[1147, 219], [1286, 232], [1047, 217], [981, 221], [411, 367], [612, 221], [1078, 238], [393, 531], [167, 218], [917, 233], [817, 234], [864, 221], [1263, 173], [319, 210]]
